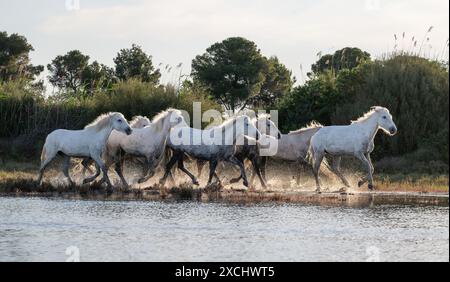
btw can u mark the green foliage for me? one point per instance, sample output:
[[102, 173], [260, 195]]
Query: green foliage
[[347, 58], [133, 63], [66, 72], [15, 60], [26, 117], [231, 70], [414, 89], [278, 81], [416, 92]]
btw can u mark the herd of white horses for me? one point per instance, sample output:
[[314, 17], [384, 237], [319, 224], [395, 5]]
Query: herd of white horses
[[110, 138]]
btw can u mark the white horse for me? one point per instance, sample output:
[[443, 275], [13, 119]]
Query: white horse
[[214, 145], [250, 149], [355, 140], [293, 147], [148, 143], [87, 143], [137, 122]]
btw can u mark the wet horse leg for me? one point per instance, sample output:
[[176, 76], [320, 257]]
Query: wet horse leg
[[183, 169], [237, 162], [336, 169], [66, 168]]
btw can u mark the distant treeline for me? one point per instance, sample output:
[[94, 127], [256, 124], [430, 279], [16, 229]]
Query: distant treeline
[[231, 74]]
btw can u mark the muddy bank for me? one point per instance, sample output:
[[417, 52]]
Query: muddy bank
[[354, 199]]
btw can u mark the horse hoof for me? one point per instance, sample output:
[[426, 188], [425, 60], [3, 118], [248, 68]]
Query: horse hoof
[[360, 183], [141, 181], [246, 184], [109, 191], [371, 187]]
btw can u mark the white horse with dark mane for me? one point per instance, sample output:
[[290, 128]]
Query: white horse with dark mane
[[148, 143], [355, 140], [87, 143]]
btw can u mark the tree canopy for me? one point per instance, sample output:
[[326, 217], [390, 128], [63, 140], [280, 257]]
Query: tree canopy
[[14, 58], [135, 63], [66, 71], [347, 58], [231, 70]]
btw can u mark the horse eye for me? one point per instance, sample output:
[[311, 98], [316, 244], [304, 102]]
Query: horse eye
[[385, 117], [119, 120]]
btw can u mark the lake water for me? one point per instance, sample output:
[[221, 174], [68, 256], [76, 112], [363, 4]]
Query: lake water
[[37, 229]]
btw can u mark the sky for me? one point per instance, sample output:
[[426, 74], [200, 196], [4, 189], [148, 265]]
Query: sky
[[175, 31]]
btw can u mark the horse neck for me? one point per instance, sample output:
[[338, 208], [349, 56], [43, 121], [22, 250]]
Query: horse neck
[[370, 126], [104, 133]]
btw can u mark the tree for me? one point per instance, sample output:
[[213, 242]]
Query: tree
[[14, 58], [135, 63], [347, 58], [97, 76], [231, 70], [278, 81], [66, 72]]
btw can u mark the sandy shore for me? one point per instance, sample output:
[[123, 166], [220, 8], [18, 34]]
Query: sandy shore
[[349, 199]]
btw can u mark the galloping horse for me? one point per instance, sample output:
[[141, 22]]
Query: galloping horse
[[214, 145], [87, 143], [293, 147], [148, 143], [249, 149], [355, 140], [136, 123]]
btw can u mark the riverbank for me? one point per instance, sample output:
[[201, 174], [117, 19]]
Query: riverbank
[[18, 179]]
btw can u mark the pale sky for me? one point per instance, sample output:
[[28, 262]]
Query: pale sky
[[175, 31]]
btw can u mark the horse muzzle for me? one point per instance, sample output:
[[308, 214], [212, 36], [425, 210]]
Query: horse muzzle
[[393, 131], [279, 136]]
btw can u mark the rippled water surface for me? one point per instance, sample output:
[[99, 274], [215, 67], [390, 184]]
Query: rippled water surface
[[35, 229]]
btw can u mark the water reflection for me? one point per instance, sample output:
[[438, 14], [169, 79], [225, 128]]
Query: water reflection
[[41, 229]]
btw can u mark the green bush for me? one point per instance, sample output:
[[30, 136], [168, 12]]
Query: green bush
[[414, 89], [26, 118]]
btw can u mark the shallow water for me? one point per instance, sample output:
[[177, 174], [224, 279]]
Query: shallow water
[[36, 229]]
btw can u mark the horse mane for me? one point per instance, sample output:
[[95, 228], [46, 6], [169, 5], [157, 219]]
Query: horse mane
[[100, 122], [137, 119], [312, 125], [159, 119], [369, 114]]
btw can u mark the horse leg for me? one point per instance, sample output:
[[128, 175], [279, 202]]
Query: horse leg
[[44, 164], [146, 170], [366, 159], [118, 167], [102, 166], [212, 170], [85, 164], [97, 174], [238, 163], [183, 169], [336, 169], [169, 167], [66, 168], [317, 161], [257, 171]]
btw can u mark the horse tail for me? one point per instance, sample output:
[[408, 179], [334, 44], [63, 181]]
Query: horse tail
[[43, 154]]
